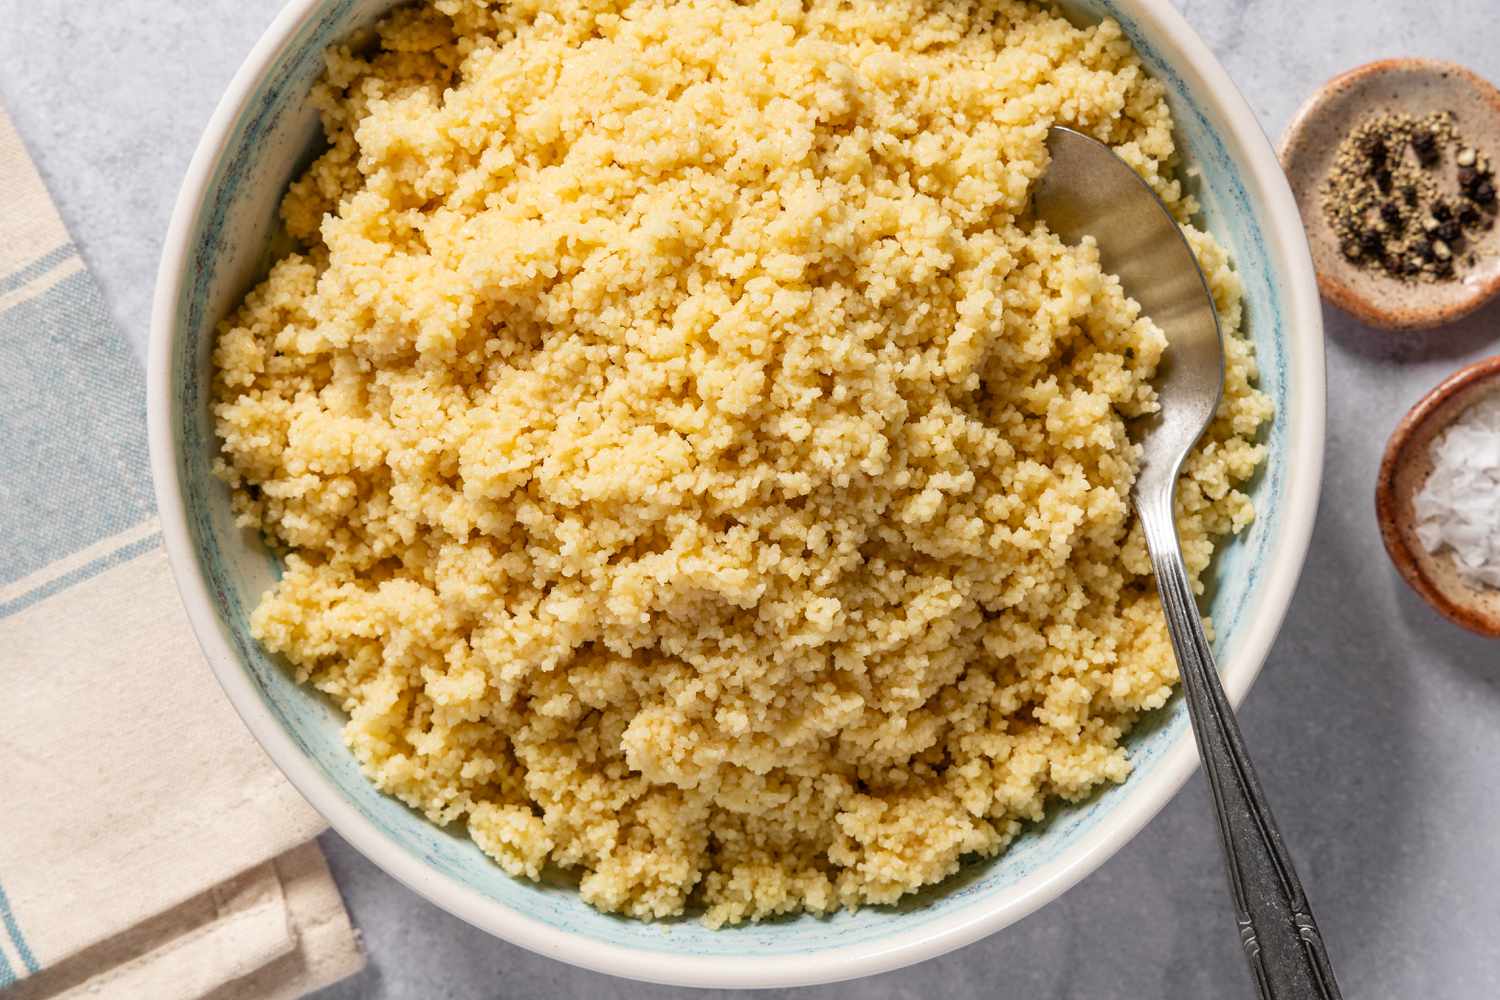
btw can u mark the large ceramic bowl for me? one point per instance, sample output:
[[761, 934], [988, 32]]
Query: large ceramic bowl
[[265, 130]]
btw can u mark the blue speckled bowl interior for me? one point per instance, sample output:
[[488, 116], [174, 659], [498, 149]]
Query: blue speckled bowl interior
[[270, 141]]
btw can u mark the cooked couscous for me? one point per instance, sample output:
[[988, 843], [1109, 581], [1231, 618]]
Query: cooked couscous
[[694, 470]]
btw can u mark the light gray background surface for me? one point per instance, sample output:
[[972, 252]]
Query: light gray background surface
[[1376, 725]]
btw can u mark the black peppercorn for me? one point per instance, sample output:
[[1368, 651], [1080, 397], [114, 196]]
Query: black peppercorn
[[1442, 211], [1450, 231], [1484, 192], [1372, 243], [1391, 214], [1423, 249], [1467, 177], [1424, 144], [1383, 180], [1378, 151], [1409, 194], [1468, 216]]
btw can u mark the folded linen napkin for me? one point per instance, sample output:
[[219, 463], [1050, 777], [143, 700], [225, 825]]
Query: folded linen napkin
[[148, 848]]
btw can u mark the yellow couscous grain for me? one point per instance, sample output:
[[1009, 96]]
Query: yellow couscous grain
[[693, 466]]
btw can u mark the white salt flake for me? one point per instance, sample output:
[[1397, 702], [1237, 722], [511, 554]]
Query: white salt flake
[[1458, 508]]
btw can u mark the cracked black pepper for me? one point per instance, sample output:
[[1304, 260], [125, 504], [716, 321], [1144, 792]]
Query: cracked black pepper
[[1408, 195]]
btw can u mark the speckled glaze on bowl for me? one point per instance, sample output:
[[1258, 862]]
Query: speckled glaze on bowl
[[1404, 470], [264, 131]]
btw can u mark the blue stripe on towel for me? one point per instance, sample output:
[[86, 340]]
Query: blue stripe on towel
[[73, 463], [77, 576], [37, 268], [15, 935]]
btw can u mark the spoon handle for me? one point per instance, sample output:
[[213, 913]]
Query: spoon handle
[[1277, 928]]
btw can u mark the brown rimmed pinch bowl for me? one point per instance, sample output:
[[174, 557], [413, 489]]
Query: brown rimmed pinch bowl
[[1308, 150], [1403, 470]]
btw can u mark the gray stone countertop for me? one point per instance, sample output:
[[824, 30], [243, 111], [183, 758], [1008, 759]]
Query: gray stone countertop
[[1376, 725]]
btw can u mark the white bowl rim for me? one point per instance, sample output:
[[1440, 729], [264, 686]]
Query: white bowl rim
[[1284, 233]]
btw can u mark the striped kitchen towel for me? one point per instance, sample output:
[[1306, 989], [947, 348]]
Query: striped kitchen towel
[[147, 846]]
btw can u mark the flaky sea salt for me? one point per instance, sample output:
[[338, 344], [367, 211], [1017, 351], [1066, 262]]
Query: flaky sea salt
[[1458, 508]]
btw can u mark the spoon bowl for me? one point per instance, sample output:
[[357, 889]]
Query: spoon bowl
[[1089, 192]]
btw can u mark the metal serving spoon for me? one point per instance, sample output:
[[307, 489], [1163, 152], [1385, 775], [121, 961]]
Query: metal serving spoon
[[1089, 191]]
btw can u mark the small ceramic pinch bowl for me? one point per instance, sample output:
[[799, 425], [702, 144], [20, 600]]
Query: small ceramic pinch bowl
[[264, 133], [1404, 470], [1417, 87]]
